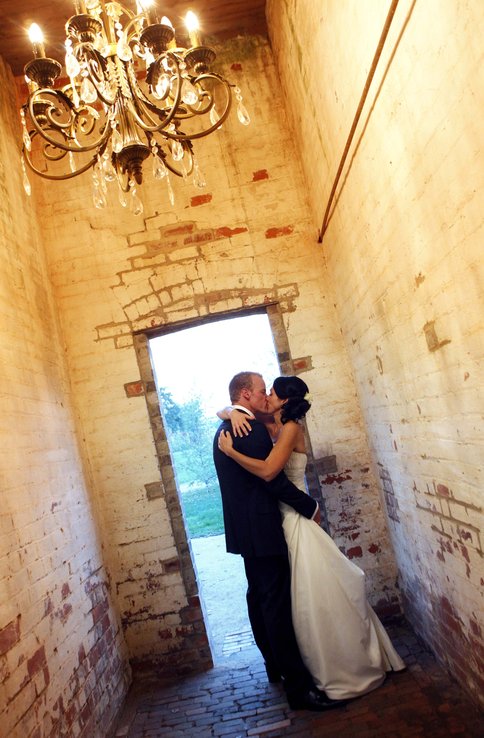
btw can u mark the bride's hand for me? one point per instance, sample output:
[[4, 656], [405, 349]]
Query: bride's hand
[[240, 423], [225, 442]]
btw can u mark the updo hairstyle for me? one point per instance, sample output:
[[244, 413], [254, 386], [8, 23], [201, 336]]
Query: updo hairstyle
[[292, 389]]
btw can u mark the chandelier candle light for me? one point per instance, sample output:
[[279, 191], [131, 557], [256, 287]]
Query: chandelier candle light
[[133, 95]]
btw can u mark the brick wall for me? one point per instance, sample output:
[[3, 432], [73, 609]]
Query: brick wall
[[247, 240], [63, 667], [404, 257]]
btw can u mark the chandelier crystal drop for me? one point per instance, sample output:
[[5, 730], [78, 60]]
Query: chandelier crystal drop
[[129, 93]]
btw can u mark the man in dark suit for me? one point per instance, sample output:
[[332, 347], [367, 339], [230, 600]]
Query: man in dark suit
[[253, 529]]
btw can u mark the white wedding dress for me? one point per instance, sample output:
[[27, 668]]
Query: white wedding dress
[[342, 642]]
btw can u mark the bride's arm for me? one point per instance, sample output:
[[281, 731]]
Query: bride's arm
[[240, 421], [274, 463]]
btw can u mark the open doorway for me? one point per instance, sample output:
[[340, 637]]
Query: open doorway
[[192, 367]]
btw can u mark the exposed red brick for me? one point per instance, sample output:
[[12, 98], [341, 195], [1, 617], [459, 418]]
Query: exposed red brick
[[443, 490], [374, 548], [86, 713], [70, 713], [37, 662], [177, 230], [354, 553], [95, 654], [200, 237], [65, 591], [227, 232], [200, 200], [335, 478], [64, 612], [99, 610], [9, 635], [236, 67], [299, 364], [134, 389], [452, 623], [191, 614], [260, 174], [445, 604], [105, 623], [276, 232], [81, 654]]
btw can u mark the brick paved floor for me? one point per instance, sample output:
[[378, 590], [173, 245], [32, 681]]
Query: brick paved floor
[[236, 701]]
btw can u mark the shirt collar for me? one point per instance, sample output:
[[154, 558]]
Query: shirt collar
[[244, 410]]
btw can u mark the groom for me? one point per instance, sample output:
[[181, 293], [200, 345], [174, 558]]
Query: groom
[[253, 528]]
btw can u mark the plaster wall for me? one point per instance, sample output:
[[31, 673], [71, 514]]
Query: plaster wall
[[63, 666], [246, 240], [403, 252]]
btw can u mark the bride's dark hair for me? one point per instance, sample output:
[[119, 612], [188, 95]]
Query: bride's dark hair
[[292, 389]]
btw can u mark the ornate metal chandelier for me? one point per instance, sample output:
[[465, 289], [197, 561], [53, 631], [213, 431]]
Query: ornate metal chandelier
[[131, 96]]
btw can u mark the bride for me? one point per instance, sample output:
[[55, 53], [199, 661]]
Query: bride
[[341, 640]]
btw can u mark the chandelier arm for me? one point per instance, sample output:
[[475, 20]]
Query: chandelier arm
[[143, 102], [223, 116], [60, 126], [134, 19], [144, 107], [57, 177]]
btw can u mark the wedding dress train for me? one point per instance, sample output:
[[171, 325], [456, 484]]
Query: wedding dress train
[[342, 642]]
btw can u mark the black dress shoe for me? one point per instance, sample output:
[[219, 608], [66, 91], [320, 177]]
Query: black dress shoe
[[314, 700], [273, 674]]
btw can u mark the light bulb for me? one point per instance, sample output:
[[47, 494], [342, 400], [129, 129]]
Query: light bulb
[[37, 40], [192, 24]]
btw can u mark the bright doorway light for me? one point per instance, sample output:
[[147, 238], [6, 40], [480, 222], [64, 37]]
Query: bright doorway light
[[192, 368]]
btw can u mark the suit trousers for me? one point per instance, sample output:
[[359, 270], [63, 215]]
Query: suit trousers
[[269, 606]]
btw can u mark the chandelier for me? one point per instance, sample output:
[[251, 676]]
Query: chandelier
[[131, 97]]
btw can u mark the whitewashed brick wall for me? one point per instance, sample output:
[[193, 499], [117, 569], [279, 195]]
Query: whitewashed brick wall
[[404, 257], [63, 665]]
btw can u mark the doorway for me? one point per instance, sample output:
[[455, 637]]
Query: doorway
[[192, 367]]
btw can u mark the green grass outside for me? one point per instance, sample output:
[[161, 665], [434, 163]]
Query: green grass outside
[[202, 509]]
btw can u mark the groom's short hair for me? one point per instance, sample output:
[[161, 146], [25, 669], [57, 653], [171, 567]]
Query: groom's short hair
[[241, 381]]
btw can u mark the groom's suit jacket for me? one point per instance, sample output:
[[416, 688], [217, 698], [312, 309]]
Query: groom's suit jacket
[[252, 518]]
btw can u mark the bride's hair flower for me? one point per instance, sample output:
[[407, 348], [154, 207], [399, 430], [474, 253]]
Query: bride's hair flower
[[308, 397]]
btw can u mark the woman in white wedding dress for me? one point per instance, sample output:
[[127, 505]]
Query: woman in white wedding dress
[[341, 640]]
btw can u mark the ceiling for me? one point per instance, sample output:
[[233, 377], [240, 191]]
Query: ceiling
[[218, 18]]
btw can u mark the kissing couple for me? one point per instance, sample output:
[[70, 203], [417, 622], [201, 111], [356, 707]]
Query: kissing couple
[[306, 601]]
